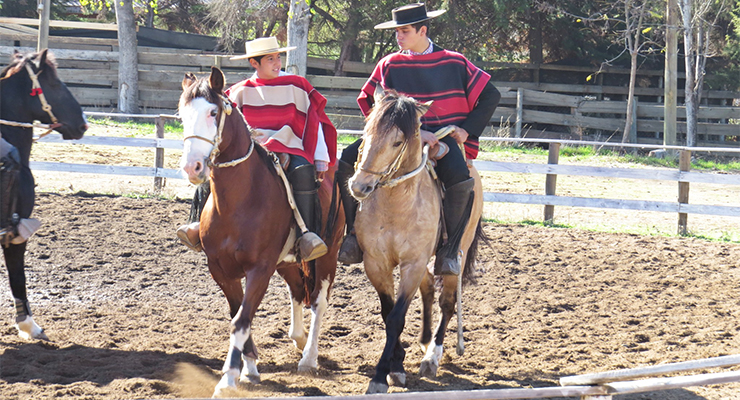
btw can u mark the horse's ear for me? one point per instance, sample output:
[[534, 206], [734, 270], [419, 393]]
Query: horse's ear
[[188, 80], [217, 81], [42, 58], [378, 94], [423, 108]]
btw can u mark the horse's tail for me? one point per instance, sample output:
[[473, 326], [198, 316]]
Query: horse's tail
[[469, 273]]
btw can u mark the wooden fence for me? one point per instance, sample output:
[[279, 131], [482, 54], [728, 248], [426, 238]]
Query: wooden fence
[[585, 111], [682, 176]]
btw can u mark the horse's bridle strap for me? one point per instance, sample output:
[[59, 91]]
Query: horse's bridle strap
[[36, 90]]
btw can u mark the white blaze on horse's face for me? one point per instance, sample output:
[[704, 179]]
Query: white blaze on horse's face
[[199, 120]]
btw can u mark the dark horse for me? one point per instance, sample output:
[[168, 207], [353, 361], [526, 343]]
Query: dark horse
[[26, 85], [247, 228]]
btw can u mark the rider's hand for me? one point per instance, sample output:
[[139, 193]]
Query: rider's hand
[[320, 176], [428, 137], [459, 134]]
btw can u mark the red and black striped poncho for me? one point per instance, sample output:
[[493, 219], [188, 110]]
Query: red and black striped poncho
[[446, 77]]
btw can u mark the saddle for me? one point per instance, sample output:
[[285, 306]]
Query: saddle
[[13, 228], [10, 167]]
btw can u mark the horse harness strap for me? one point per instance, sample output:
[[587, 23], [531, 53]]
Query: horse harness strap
[[36, 90], [289, 192]]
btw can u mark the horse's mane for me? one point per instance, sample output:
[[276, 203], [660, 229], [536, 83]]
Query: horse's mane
[[18, 62], [394, 110]]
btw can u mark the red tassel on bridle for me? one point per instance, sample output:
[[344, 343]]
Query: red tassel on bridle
[[36, 92]]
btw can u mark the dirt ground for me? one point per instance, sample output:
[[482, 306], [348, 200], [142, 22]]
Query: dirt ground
[[132, 314]]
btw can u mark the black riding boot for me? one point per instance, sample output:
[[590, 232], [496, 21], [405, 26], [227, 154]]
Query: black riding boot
[[457, 205], [350, 252], [305, 190]]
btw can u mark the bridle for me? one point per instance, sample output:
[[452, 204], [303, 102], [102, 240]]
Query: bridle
[[36, 90], [226, 109], [385, 176]]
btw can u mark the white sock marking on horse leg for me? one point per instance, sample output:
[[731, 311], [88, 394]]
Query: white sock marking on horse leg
[[310, 358], [231, 373], [297, 329], [249, 372], [28, 329]]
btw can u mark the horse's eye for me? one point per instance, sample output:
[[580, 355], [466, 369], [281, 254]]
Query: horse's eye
[[214, 113], [397, 144]]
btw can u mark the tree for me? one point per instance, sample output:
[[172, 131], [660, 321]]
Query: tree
[[240, 20], [128, 64], [699, 18], [299, 18]]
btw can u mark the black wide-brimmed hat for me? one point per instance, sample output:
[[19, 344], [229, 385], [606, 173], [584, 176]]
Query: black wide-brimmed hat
[[409, 14]]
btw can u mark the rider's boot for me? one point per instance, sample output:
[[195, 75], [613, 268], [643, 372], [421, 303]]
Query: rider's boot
[[189, 235], [457, 204], [350, 252], [305, 191]]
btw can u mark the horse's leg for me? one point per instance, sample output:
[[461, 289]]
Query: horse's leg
[[297, 292], [427, 303], [325, 270], [27, 327], [447, 299], [390, 367], [232, 289]]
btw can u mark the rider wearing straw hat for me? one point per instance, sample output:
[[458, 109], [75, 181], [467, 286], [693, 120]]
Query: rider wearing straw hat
[[286, 115], [463, 98]]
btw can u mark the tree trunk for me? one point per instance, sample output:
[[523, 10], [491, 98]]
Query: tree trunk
[[300, 17], [535, 37], [128, 58], [349, 37], [690, 59], [630, 97]]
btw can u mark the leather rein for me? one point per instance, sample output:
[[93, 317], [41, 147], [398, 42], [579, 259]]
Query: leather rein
[[36, 90], [226, 110], [385, 176]]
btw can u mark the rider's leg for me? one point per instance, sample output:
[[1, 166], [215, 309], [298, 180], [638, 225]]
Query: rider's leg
[[189, 234], [302, 178], [453, 171], [350, 252]]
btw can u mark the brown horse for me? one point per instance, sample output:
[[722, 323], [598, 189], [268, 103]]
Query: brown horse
[[247, 228], [398, 224]]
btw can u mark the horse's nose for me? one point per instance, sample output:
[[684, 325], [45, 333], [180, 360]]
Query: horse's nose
[[198, 168], [83, 128]]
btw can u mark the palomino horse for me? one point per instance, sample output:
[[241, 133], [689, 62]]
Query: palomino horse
[[247, 228], [398, 223], [30, 90]]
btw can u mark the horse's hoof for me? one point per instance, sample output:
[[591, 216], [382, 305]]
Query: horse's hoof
[[300, 342], [460, 348], [428, 369], [377, 387], [396, 379], [29, 330], [226, 387], [250, 379], [307, 370]]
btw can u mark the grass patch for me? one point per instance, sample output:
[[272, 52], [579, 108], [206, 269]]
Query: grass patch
[[139, 129]]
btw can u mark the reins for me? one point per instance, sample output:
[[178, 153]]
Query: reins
[[385, 180], [227, 109], [36, 90]]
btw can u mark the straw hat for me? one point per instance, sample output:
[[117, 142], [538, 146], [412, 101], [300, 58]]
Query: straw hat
[[262, 46], [409, 14]]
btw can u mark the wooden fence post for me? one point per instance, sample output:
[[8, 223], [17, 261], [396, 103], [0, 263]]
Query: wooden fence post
[[684, 165], [519, 109], [551, 180], [158, 153]]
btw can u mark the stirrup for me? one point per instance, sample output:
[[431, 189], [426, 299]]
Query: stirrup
[[350, 252], [311, 246], [182, 234]]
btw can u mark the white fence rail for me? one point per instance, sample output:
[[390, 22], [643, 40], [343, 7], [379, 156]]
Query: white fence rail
[[551, 170]]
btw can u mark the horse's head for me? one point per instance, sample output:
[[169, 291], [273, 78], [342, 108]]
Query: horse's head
[[201, 104], [391, 132], [30, 81]]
